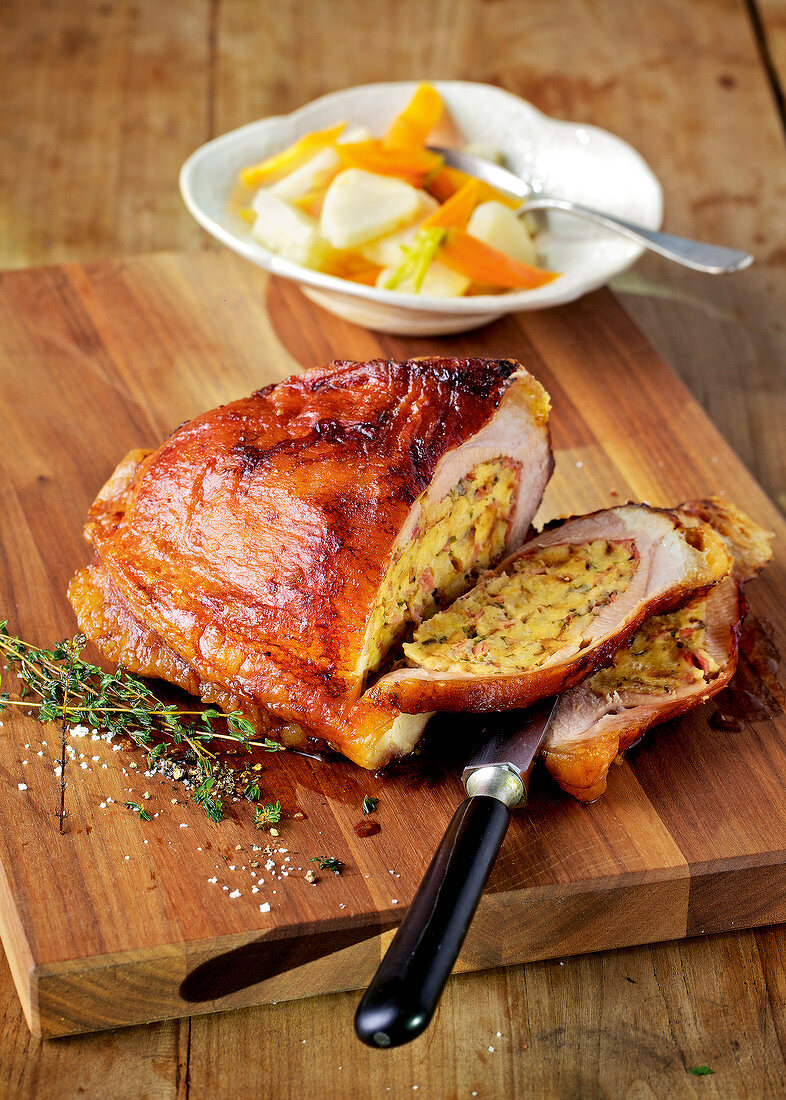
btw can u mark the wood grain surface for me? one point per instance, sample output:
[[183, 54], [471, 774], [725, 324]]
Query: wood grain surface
[[101, 104], [159, 919]]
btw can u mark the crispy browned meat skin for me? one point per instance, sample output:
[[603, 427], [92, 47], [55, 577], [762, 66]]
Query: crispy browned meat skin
[[748, 543], [242, 557]]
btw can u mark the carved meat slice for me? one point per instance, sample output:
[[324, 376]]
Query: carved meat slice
[[674, 663], [749, 544], [560, 606], [272, 552]]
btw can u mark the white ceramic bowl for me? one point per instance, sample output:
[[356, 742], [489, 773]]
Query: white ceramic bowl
[[558, 159]]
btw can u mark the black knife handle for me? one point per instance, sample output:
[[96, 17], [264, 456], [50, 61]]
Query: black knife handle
[[405, 991]]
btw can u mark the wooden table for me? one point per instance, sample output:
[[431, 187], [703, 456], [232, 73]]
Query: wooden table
[[103, 102]]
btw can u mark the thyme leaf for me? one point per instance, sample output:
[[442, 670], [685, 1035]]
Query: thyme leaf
[[328, 863], [252, 791], [143, 814], [370, 804]]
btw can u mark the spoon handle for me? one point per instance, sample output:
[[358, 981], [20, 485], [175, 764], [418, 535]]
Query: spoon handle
[[712, 258]]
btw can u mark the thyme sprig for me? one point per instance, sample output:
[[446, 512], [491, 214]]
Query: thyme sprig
[[61, 686], [143, 814], [267, 815], [328, 863]]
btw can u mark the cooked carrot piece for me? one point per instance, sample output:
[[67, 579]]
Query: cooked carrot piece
[[448, 181], [290, 158], [483, 264], [352, 266], [455, 212], [311, 202], [410, 129], [413, 166]]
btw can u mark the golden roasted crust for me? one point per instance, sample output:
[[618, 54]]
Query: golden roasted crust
[[749, 544], [252, 543]]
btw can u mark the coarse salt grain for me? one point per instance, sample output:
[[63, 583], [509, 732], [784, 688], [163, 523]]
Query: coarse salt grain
[[22, 786], [235, 894], [264, 907], [183, 825], [213, 879]]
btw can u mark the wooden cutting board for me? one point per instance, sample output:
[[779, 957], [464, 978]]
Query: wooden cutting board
[[119, 921]]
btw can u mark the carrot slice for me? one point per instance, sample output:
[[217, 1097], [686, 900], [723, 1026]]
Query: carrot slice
[[410, 129], [448, 181], [281, 163], [352, 266], [455, 212], [483, 264], [311, 202], [413, 166]]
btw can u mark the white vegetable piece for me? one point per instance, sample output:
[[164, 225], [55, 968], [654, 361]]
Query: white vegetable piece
[[387, 251], [496, 225], [318, 171], [360, 206], [440, 282], [286, 230]]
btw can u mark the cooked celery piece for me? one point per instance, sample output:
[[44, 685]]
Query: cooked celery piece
[[417, 259], [285, 230], [387, 251], [497, 226], [360, 206], [438, 282]]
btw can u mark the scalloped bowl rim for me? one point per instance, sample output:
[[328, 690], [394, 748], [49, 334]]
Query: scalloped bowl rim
[[558, 292]]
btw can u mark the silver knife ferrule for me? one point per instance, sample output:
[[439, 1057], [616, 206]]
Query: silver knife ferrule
[[500, 781]]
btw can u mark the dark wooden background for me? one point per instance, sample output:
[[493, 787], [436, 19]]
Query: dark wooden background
[[101, 103]]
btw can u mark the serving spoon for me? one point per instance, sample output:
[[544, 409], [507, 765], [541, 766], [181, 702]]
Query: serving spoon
[[711, 258]]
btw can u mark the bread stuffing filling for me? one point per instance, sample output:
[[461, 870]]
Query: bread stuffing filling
[[458, 537], [668, 653], [516, 621]]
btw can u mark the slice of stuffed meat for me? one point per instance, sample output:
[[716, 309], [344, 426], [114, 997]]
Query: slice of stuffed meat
[[556, 609]]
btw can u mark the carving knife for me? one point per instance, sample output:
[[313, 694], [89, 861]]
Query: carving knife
[[404, 992]]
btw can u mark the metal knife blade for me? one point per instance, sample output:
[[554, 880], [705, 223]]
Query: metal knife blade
[[515, 739]]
